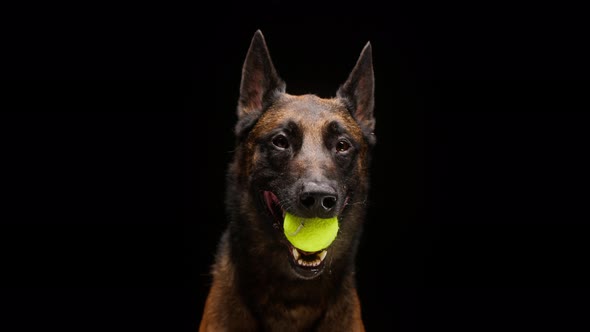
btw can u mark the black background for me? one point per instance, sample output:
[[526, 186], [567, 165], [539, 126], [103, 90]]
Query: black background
[[114, 159]]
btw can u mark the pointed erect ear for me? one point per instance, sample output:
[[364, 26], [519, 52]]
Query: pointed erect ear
[[358, 92], [260, 81]]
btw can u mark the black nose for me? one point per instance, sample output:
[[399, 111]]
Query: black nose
[[318, 200]]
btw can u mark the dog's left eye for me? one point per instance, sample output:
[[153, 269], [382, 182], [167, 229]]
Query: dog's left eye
[[280, 141], [342, 146]]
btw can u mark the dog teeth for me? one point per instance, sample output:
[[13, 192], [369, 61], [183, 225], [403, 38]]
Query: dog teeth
[[318, 258]]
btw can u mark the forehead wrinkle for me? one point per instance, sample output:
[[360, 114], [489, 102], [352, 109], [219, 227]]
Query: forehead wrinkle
[[313, 130]]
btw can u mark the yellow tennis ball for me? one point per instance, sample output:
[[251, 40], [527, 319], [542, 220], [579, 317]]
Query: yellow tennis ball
[[310, 234]]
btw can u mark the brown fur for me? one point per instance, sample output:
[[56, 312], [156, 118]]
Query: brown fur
[[255, 288]]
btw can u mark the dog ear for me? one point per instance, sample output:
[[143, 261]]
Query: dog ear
[[260, 81], [358, 92]]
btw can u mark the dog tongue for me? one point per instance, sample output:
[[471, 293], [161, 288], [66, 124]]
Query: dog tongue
[[270, 199]]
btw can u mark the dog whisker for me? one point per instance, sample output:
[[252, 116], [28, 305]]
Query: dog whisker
[[363, 202]]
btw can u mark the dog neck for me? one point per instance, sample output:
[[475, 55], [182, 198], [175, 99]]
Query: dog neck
[[269, 301]]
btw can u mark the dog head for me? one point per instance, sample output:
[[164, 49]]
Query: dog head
[[305, 155]]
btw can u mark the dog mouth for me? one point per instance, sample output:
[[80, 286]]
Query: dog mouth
[[306, 264], [274, 207], [308, 259]]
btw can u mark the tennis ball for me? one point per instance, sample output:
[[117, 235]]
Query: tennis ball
[[310, 234]]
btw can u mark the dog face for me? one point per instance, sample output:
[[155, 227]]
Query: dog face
[[304, 155]]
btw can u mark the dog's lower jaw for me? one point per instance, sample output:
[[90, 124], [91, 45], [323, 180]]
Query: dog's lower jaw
[[240, 301]]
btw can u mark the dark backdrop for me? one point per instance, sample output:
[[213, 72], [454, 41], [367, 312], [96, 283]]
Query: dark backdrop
[[114, 160]]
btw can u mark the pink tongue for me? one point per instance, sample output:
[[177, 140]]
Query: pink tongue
[[270, 198]]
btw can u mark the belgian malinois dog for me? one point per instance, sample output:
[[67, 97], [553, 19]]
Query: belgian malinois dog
[[307, 156]]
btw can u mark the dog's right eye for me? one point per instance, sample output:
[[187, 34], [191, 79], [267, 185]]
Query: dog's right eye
[[280, 141]]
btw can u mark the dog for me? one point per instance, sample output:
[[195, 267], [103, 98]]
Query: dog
[[310, 157]]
